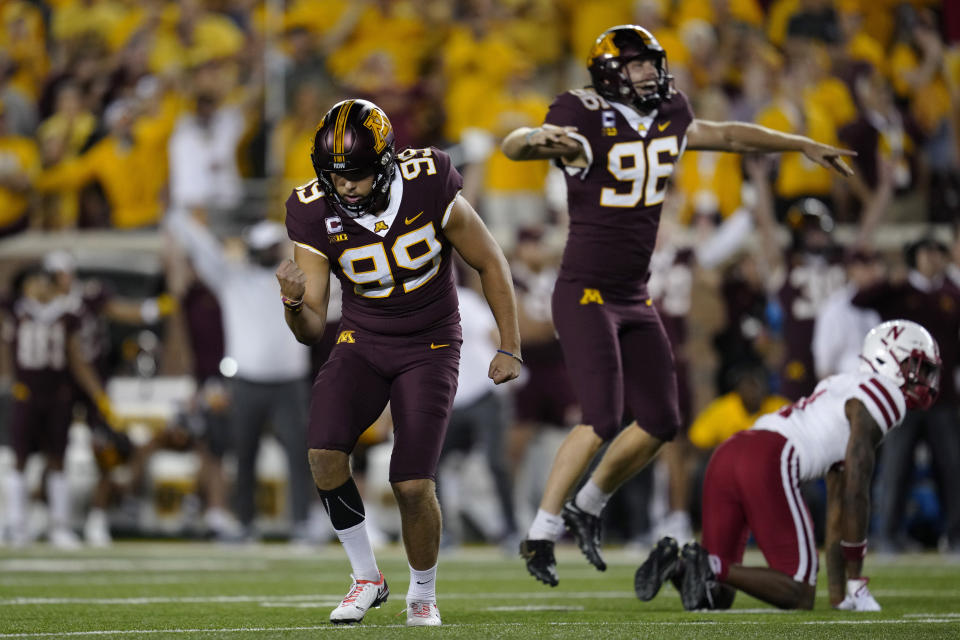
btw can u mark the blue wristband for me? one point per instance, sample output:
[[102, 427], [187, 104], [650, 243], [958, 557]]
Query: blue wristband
[[512, 355]]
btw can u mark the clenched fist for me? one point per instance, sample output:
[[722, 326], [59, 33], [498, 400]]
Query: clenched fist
[[293, 282]]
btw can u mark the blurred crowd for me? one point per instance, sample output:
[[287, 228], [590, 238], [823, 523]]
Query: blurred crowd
[[192, 120]]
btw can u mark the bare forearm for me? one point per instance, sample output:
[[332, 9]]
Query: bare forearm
[[498, 290], [515, 145], [520, 144], [745, 137], [856, 501], [836, 567], [307, 325]]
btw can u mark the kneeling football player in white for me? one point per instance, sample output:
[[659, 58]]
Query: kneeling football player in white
[[752, 484]]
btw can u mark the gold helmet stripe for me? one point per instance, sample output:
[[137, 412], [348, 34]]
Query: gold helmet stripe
[[341, 126]]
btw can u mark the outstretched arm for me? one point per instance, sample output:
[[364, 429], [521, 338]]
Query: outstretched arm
[[305, 290], [543, 143], [205, 250], [758, 171], [473, 241], [744, 137]]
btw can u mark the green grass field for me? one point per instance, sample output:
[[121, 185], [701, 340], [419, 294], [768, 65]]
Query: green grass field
[[194, 590]]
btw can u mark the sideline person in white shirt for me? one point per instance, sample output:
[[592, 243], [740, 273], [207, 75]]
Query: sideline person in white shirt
[[268, 370]]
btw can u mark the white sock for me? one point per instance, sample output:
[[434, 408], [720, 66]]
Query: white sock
[[97, 516], [58, 493], [423, 585], [546, 526], [592, 498], [357, 545], [15, 491]]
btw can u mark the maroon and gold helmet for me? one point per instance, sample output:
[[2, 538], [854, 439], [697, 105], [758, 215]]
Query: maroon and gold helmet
[[355, 140], [608, 60]]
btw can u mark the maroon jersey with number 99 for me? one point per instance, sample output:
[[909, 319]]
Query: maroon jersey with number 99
[[395, 267]]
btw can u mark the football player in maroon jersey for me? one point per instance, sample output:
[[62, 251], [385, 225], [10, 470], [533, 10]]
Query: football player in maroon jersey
[[385, 224], [42, 345], [617, 143]]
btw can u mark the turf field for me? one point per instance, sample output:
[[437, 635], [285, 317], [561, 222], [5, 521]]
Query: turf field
[[185, 590]]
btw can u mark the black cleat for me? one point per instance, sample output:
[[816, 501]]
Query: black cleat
[[660, 566], [541, 563], [699, 582], [586, 529]]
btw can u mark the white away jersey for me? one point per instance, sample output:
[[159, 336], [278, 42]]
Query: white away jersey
[[817, 425]]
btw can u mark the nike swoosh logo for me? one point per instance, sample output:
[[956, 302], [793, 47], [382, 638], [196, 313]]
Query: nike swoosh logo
[[410, 220], [661, 127], [418, 582], [438, 346]]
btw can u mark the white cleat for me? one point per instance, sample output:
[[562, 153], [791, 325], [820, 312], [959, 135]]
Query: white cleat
[[96, 530], [65, 539], [363, 596], [421, 613]]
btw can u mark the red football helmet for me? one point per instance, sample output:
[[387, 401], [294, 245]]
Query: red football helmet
[[355, 140], [608, 60]]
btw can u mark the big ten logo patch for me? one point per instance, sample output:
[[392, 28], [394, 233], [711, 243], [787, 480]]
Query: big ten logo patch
[[346, 337], [591, 296]]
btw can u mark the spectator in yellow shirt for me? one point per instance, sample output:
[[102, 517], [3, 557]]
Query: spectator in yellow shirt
[[128, 163], [794, 111], [737, 410], [62, 136], [19, 165]]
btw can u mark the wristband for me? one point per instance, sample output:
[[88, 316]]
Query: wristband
[[512, 355], [853, 551], [293, 306]]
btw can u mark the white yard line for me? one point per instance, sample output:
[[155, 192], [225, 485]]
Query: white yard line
[[534, 607], [480, 625], [324, 597], [310, 597], [104, 565]]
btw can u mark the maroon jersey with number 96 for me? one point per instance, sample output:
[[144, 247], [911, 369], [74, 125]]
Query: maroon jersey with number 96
[[615, 201]]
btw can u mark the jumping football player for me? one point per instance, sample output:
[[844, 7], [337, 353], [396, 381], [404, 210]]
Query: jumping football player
[[617, 143]]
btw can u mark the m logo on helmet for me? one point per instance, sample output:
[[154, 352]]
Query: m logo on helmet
[[605, 45], [378, 123]]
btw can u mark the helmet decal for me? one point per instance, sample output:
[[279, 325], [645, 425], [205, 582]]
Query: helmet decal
[[604, 45], [906, 353], [378, 123]]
